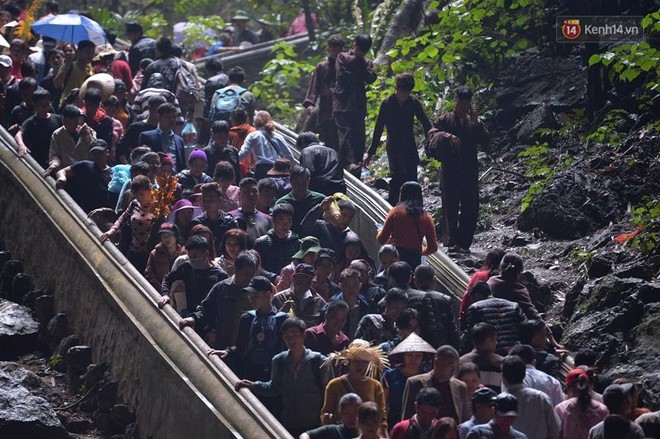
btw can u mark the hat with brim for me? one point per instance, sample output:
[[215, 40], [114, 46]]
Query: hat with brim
[[264, 22], [240, 16], [180, 205], [412, 343], [105, 51], [281, 168], [360, 350], [506, 405], [309, 244], [169, 229], [259, 284], [98, 145], [104, 82]]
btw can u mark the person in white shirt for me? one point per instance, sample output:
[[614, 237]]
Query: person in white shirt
[[535, 379]]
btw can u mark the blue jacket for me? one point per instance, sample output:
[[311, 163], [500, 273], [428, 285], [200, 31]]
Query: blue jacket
[[156, 141]]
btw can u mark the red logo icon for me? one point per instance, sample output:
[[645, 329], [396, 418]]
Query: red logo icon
[[571, 29]]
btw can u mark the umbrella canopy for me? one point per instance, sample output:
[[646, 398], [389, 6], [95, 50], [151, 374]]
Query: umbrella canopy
[[71, 28]]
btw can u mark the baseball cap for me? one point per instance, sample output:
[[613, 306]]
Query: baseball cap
[[305, 270], [324, 253], [5, 61], [485, 395], [307, 245], [506, 405], [169, 228], [98, 145], [258, 284]]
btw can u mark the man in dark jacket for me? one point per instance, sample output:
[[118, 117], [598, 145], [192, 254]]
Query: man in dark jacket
[[164, 139], [141, 47], [278, 246], [505, 315], [330, 234], [321, 86], [166, 64], [397, 113], [463, 131], [225, 303], [349, 100], [326, 173]]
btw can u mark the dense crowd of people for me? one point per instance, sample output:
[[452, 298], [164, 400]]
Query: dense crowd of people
[[257, 255]]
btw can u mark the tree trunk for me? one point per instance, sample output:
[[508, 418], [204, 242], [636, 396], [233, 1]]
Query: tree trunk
[[405, 23], [309, 22]]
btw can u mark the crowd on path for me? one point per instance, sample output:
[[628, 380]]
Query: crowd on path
[[257, 255]]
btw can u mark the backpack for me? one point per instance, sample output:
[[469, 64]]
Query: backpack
[[225, 101], [188, 89], [437, 146]]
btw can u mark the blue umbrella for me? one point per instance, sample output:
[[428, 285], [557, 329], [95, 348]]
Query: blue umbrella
[[71, 28]]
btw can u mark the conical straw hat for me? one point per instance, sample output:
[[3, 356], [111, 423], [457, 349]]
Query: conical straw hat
[[413, 343]]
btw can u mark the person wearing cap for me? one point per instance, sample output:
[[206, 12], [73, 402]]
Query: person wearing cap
[[196, 172], [40, 58], [219, 149], [141, 46], [482, 408], [87, 180], [407, 357], [279, 244], [427, 406], [580, 411], [536, 415], [181, 215], [309, 246], [320, 87], [348, 421], [300, 299], [328, 337], [242, 34], [536, 379], [259, 334], [324, 264], [326, 173], [280, 173], [163, 255], [454, 392], [378, 328], [299, 375], [505, 412], [617, 400], [254, 222], [359, 305], [72, 74], [71, 142], [364, 362], [300, 197], [218, 315], [164, 139], [484, 356]]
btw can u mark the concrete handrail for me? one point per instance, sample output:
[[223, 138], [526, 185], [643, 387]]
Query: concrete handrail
[[208, 380]]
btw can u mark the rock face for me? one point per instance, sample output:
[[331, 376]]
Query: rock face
[[18, 330], [22, 414], [572, 206], [619, 318]]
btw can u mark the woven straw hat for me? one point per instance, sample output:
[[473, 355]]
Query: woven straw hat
[[360, 350], [412, 343]]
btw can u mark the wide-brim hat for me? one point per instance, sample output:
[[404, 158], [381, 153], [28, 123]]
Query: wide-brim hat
[[281, 168], [103, 51], [240, 15], [104, 82], [309, 244], [360, 350], [412, 343], [182, 205]]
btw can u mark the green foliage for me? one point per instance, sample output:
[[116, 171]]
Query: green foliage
[[55, 361], [198, 32], [637, 63], [113, 20], [646, 216], [610, 129], [281, 76], [542, 164], [583, 257], [469, 44]]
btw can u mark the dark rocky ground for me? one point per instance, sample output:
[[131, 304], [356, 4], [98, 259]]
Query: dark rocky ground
[[601, 294]]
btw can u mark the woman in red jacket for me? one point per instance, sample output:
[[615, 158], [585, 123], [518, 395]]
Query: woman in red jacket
[[407, 224]]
